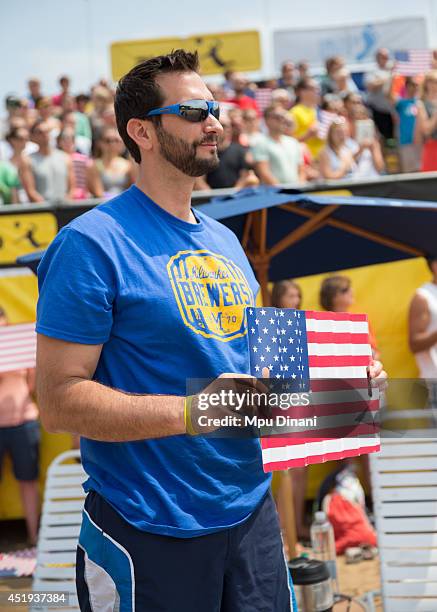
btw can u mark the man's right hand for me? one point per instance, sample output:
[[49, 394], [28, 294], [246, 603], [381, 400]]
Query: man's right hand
[[228, 395]]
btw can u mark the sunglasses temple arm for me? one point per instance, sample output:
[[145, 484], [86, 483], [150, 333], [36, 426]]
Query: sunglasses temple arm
[[165, 110]]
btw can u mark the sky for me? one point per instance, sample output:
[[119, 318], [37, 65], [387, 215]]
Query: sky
[[51, 37]]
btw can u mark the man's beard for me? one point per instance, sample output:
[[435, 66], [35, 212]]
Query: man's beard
[[183, 155]]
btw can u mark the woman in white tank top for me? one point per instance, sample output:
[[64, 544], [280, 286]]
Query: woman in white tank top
[[336, 160], [423, 325], [427, 359]]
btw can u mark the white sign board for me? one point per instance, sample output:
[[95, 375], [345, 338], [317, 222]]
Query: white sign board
[[356, 43]]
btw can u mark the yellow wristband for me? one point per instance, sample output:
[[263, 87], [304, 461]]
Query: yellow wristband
[[187, 416]]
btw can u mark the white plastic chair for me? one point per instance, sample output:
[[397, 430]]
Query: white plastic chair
[[61, 519], [404, 487]]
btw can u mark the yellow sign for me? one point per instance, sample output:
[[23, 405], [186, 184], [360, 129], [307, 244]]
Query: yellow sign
[[333, 192], [238, 51], [211, 293], [25, 233]]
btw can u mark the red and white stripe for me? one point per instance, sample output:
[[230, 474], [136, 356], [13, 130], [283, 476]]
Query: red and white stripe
[[263, 97], [17, 347], [419, 61], [339, 353], [325, 120]]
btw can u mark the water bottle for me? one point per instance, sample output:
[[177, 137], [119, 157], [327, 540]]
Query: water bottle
[[323, 545]]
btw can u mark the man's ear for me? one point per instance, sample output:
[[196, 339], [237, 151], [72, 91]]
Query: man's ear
[[141, 133]]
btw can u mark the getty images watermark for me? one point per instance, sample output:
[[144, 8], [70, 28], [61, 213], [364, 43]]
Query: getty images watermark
[[266, 402]]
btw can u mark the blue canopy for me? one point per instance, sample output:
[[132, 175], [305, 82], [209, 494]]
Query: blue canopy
[[288, 233], [307, 234]]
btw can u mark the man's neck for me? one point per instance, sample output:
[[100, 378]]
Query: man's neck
[[45, 150], [275, 135], [168, 188]]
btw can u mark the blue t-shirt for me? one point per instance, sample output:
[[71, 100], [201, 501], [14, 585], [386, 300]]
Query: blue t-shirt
[[406, 108], [166, 299]]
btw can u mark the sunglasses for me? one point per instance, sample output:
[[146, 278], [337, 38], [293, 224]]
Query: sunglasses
[[194, 111]]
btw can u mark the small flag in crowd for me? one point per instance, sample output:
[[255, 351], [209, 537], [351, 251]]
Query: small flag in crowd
[[412, 62], [263, 98], [18, 564], [325, 355], [17, 347], [325, 119]]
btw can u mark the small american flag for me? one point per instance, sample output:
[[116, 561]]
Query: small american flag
[[263, 97], [325, 119], [325, 354], [412, 62], [17, 347]]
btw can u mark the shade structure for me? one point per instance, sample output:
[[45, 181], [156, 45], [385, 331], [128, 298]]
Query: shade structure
[[297, 234], [287, 233]]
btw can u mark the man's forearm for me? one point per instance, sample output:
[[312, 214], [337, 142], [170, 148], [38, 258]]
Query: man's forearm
[[87, 408]]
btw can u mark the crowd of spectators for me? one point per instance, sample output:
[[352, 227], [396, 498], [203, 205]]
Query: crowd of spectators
[[292, 129], [62, 147]]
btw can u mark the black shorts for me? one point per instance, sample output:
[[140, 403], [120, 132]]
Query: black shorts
[[241, 569], [22, 444]]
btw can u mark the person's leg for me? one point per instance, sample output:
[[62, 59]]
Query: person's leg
[[29, 493], [24, 449], [257, 578], [119, 565]]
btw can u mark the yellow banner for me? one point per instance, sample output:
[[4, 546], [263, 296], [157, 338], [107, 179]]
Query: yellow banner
[[238, 51], [25, 233]]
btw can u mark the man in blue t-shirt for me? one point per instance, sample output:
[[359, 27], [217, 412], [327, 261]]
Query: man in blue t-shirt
[[137, 297], [406, 110]]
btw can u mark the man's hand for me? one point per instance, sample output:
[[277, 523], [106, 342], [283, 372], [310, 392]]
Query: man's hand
[[377, 375], [312, 131], [230, 395]]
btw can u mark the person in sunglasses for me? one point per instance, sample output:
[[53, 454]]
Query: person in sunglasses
[[138, 297]]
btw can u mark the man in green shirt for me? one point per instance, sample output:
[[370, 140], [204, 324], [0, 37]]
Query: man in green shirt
[[278, 158], [9, 183]]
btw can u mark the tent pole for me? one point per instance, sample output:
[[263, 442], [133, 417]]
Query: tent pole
[[260, 257], [246, 231], [369, 235], [303, 230], [261, 264]]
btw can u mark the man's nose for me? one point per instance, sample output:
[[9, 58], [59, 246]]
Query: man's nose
[[211, 124]]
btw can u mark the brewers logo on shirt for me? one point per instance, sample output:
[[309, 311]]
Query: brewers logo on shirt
[[211, 292]]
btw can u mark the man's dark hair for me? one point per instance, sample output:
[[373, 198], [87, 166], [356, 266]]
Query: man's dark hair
[[82, 98], [12, 101], [36, 125], [13, 132], [304, 83], [2, 313], [270, 110], [138, 93]]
